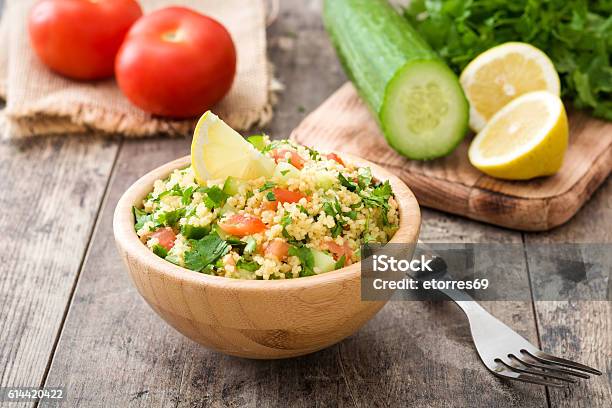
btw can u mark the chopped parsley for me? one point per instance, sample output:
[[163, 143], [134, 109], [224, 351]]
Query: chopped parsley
[[250, 266], [267, 186], [141, 217], [205, 251], [270, 196], [215, 197], [306, 259]]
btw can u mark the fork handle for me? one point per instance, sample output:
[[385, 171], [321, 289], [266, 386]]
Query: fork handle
[[460, 297]]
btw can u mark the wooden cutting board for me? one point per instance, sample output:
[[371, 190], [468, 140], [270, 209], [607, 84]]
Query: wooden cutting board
[[344, 124]]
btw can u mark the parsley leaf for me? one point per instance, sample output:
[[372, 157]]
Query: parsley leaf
[[270, 196], [186, 196], [160, 251], [250, 266], [141, 218], [215, 197], [170, 218], [575, 34], [350, 186], [267, 186], [340, 262], [364, 177], [306, 259], [205, 251]]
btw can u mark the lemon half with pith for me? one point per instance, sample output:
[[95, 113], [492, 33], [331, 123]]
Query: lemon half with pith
[[503, 73], [527, 138]]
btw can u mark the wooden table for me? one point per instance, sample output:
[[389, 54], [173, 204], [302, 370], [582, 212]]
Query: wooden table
[[70, 317]]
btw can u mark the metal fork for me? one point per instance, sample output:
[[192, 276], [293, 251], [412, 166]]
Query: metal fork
[[502, 350]]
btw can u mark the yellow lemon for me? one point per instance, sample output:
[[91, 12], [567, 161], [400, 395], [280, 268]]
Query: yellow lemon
[[527, 138], [218, 151], [503, 73]]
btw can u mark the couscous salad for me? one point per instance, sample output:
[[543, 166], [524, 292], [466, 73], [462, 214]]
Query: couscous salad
[[308, 217]]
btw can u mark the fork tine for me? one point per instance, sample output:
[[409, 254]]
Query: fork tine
[[550, 359], [554, 369], [538, 373], [511, 375]]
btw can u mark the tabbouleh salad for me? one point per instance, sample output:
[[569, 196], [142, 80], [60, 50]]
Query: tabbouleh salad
[[310, 217]]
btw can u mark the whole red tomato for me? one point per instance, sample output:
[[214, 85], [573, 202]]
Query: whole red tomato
[[80, 38], [176, 62]]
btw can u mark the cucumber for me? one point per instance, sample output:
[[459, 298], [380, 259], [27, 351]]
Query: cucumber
[[417, 99], [285, 171], [323, 261], [232, 185]]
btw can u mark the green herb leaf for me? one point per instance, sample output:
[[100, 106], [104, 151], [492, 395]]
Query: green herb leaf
[[186, 196], [250, 266], [160, 251], [340, 262], [205, 251], [169, 218], [350, 186], [575, 34], [267, 186], [251, 246], [306, 259], [141, 217], [215, 197], [364, 177], [270, 196]]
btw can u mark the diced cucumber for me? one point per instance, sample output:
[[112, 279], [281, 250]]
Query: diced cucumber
[[258, 141], [325, 180], [195, 231], [226, 209], [285, 171], [222, 234], [416, 98], [323, 261], [232, 185]]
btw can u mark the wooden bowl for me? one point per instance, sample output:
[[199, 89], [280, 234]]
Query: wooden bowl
[[254, 318]]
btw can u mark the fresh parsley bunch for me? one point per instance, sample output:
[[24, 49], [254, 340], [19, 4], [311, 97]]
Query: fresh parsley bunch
[[576, 35]]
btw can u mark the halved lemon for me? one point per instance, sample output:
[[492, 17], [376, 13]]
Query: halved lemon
[[527, 138], [218, 151], [503, 73]]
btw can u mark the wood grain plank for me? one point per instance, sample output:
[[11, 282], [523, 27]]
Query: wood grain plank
[[343, 123], [415, 353], [50, 195], [580, 329], [114, 351]]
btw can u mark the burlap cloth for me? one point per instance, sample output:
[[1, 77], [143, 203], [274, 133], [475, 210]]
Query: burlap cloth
[[39, 102]]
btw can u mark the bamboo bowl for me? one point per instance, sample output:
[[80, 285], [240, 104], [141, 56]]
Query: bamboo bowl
[[254, 318]]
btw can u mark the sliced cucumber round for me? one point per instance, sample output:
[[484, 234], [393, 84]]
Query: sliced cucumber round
[[424, 113]]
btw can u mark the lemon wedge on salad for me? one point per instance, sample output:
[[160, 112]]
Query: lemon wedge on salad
[[218, 152], [527, 138], [503, 73]]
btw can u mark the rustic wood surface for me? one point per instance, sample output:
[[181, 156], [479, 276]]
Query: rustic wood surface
[[344, 123], [69, 315]]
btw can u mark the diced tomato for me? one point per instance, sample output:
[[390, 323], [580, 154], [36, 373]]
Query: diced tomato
[[242, 224], [334, 156], [277, 248], [295, 159], [339, 250], [283, 196], [165, 237]]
